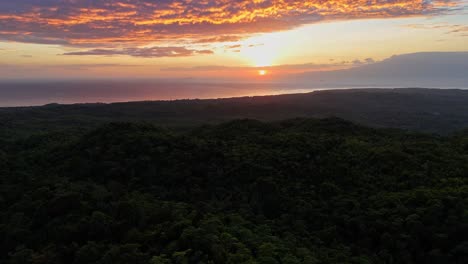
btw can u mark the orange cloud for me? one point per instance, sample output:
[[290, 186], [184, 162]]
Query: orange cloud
[[117, 23]]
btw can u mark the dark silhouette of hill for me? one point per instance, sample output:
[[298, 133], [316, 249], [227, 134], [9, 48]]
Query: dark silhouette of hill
[[425, 110]]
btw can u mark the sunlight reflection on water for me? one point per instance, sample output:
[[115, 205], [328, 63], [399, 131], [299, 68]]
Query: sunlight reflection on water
[[69, 92]]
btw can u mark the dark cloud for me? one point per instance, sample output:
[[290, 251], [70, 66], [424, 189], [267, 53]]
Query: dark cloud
[[424, 69], [153, 52], [358, 62], [227, 38], [285, 67], [233, 46], [114, 23], [457, 29]]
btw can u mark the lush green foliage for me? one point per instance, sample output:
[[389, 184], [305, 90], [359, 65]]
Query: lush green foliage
[[299, 191]]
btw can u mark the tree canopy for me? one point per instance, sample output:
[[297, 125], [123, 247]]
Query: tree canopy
[[295, 191]]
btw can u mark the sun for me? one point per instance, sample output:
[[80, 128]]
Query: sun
[[262, 72]]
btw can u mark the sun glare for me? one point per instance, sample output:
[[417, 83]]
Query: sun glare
[[262, 72], [264, 50]]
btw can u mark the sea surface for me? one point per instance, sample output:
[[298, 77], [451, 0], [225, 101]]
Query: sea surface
[[33, 93]]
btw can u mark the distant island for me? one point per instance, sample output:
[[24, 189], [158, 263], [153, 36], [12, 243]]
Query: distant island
[[424, 110]]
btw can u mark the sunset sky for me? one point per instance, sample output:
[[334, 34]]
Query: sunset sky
[[218, 38]]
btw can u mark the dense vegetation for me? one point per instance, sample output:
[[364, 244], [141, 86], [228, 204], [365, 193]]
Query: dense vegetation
[[298, 191], [423, 110]]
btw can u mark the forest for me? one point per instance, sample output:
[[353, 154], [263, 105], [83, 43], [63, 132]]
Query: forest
[[244, 191], [441, 111]]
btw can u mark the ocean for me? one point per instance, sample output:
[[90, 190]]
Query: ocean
[[34, 93]]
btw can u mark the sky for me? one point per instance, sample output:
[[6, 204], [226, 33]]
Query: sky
[[233, 39]]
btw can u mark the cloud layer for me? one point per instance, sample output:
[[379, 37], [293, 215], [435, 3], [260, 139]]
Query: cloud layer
[[123, 27], [458, 29], [153, 52], [285, 68]]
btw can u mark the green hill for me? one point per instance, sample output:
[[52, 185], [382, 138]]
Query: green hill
[[423, 110], [297, 191]]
